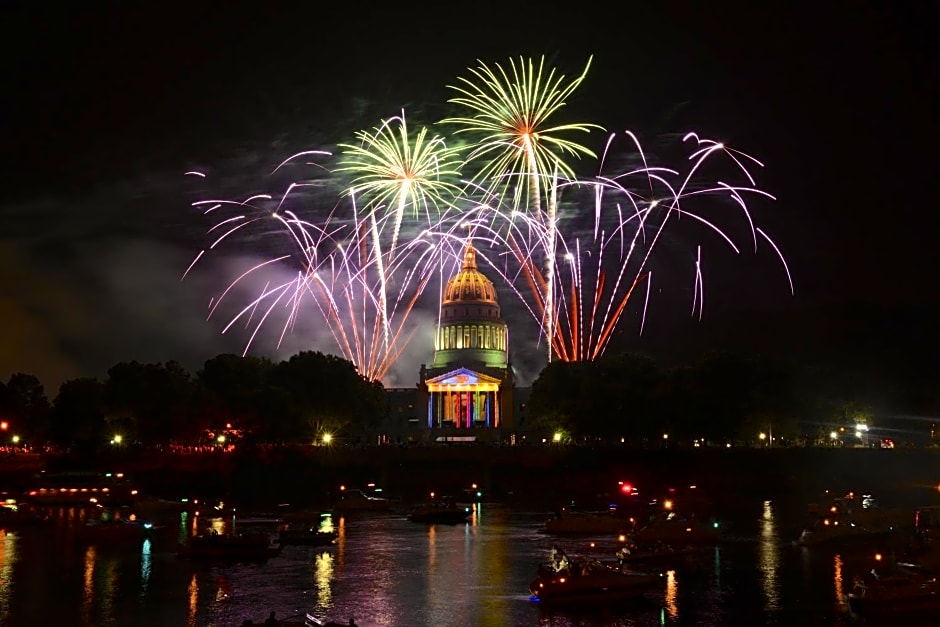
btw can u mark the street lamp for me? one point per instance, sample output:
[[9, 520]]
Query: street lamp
[[861, 431], [762, 437]]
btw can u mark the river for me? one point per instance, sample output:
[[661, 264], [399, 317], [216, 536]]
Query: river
[[386, 570]]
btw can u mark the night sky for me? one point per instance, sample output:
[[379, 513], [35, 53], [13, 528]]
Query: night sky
[[107, 106]]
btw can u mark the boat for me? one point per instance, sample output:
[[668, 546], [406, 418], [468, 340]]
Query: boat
[[678, 530], [581, 581], [837, 531], [82, 488], [313, 621], [894, 596], [113, 530], [659, 553], [865, 511], [239, 546], [305, 619], [358, 501], [567, 522], [14, 516], [258, 519], [443, 510], [309, 536]]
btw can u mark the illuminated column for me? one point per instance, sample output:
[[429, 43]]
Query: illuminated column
[[496, 419], [465, 406], [490, 417], [431, 401]]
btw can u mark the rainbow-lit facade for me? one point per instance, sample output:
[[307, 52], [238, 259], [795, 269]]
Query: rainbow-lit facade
[[470, 382]]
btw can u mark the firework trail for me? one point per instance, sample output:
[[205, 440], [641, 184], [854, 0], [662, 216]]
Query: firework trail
[[573, 250], [335, 264], [393, 172], [513, 141], [606, 234]]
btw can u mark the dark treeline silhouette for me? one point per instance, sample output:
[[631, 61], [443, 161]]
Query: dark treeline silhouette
[[158, 404], [728, 398], [721, 399]]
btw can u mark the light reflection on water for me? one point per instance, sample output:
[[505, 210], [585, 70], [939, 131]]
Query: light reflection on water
[[670, 604], [8, 543], [385, 570], [769, 557]]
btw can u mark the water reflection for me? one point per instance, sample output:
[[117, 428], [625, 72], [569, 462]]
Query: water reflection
[[322, 578], [7, 561], [769, 557], [88, 598], [837, 578], [193, 598], [670, 605], [145, 566], [385, 570]]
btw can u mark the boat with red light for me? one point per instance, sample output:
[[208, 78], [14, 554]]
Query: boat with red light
[[583, 581], [895, 596]]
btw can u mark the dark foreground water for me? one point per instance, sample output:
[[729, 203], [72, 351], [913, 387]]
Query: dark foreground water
[[385, 570]]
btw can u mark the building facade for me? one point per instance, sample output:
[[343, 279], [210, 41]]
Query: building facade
[[470, 383]]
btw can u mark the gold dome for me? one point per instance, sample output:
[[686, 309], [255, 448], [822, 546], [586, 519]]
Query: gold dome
[[470, 285]]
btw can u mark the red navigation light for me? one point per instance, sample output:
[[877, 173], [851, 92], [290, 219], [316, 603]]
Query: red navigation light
[[626, 488], [4, 425]]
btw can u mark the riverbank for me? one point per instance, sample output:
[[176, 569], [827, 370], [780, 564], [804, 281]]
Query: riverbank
[[544, 475]]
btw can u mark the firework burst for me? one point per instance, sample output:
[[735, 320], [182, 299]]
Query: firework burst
[[333, 264], [511, 116], [393, 171], [575, 251], [607, 232]]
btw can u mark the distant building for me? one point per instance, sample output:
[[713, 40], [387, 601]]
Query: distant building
[[468, 393]]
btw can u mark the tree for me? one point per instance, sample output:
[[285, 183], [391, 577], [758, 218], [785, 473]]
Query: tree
[[230, 386], [25, 407], [330, 395], [78, 418], [150, 401]]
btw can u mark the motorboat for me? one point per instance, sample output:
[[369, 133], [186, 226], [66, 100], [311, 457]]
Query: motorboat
[[836, 530], [441, 510], [113, 530], [309, 536], [304, 619], [568, 522], [582, 581], [922, 556], [82, 489], [239, 546], [658, 553], [14, 516], [864, 510], [358, 501], [895, 596], [678, 530]]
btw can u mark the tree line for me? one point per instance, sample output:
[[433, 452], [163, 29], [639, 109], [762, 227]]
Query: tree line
[[722, 398], [162, 403]]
